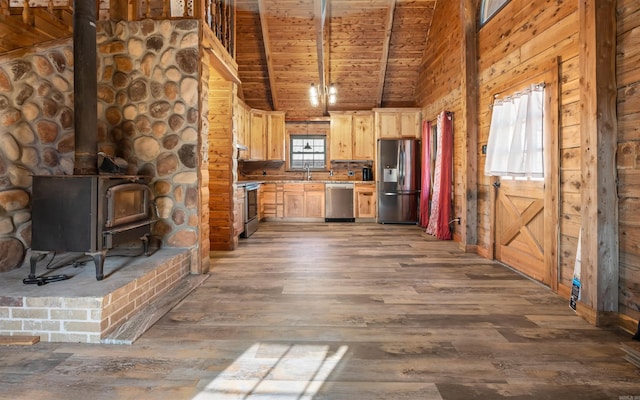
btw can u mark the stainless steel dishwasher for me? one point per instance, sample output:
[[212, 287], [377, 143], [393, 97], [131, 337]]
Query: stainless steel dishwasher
[[339, 202]]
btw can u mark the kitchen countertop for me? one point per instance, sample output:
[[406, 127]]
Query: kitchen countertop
[[245, 183]]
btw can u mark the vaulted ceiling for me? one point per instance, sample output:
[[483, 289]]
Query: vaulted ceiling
[[370, 50]]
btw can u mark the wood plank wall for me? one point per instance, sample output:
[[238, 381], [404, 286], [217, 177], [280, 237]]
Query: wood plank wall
[[524, 36], [628, 82], [439, 86], [528, 35], [221, 163]]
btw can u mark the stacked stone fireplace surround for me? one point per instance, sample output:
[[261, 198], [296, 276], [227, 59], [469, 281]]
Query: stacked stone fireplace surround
[[149, 113]]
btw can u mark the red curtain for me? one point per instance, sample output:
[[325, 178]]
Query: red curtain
[[425, 190], [443, 176]]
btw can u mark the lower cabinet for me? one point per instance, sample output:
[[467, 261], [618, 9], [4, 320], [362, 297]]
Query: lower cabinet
[[314, 200], [307, 200], [303, 200], [365, 200], [272, 201]]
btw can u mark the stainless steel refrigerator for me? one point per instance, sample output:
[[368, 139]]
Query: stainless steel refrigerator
[[398, 181]]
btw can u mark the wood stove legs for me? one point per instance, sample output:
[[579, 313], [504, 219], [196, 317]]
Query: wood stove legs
[[32, 279], [98, 260], [145, 244], [99, 256]]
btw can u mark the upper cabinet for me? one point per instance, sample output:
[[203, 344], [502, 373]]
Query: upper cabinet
[[351, 136], [242, 128], [396, 123], [267, 136], [258, 144], [275, 136], [340, 136], [364, 141]]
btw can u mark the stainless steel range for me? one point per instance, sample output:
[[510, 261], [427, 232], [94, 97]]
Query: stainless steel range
[[251, 220]]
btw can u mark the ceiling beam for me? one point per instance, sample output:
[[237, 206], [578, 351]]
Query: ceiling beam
[[264, 25], [384, 59], [322, 50]]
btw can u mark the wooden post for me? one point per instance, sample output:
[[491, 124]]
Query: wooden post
[[27, 14], [119, 10], [469, 118], [598, 122], [4, 10]]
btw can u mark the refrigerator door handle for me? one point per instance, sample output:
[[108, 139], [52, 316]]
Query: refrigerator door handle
[[401, 162]]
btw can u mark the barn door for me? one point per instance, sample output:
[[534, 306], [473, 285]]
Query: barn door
[[520, 227], [525, 211]]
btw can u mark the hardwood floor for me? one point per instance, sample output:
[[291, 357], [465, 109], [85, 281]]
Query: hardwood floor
[[344, 311]]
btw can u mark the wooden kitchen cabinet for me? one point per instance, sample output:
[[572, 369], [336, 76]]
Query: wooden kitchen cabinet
[[314, 200], [272, 201], [275, 136], [258, 146], [396, 123], [267, 136], [364, 140], [351, 136], [303, 200], [341, 136], [260, 202], [364, 200], [238, 211], [294, 200], [242, 127]]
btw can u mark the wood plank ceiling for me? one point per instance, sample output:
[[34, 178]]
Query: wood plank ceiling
[[371, 50]]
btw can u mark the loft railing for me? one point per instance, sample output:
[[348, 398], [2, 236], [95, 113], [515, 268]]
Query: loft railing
[[218, 15]]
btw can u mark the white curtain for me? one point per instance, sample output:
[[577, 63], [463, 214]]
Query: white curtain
[[515, 135]]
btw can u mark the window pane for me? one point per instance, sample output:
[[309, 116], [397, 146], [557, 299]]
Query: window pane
[[489, 8], [314, 156]]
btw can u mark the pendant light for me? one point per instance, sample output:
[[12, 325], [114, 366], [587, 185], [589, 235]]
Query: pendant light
[[333, 94], [330, 94], [313, 95], [307, 146]]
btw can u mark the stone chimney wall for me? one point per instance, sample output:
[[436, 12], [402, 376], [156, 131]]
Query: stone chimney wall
[[148, 114], [36, 135]]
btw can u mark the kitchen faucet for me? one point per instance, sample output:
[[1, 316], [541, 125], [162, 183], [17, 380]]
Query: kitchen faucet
[[308, 168]]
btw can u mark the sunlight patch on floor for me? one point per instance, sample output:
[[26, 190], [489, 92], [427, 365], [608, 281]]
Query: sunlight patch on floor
[[275, 371]]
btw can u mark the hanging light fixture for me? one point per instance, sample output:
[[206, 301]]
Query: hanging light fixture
[[313, 95], [331, 93], [307, 146]]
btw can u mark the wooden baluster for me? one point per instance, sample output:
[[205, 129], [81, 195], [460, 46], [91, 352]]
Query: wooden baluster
[[212, 10], [209, 8], [148, 12], [227, 26], [27, 15], [166, 8], [218, 18], [185, 11], [50, 7], [4, 9]]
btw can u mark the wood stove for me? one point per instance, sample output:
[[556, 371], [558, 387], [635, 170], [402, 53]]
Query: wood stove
[[90, 214], [87, 212]]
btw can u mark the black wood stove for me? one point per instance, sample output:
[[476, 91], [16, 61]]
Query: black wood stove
[[87, 212]]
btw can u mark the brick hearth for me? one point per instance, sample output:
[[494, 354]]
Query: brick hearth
[[82, 309]]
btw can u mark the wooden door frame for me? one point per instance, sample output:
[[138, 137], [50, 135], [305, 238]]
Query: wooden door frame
[[549, 74]]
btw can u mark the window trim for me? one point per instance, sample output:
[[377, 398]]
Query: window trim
[[301, 135]]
